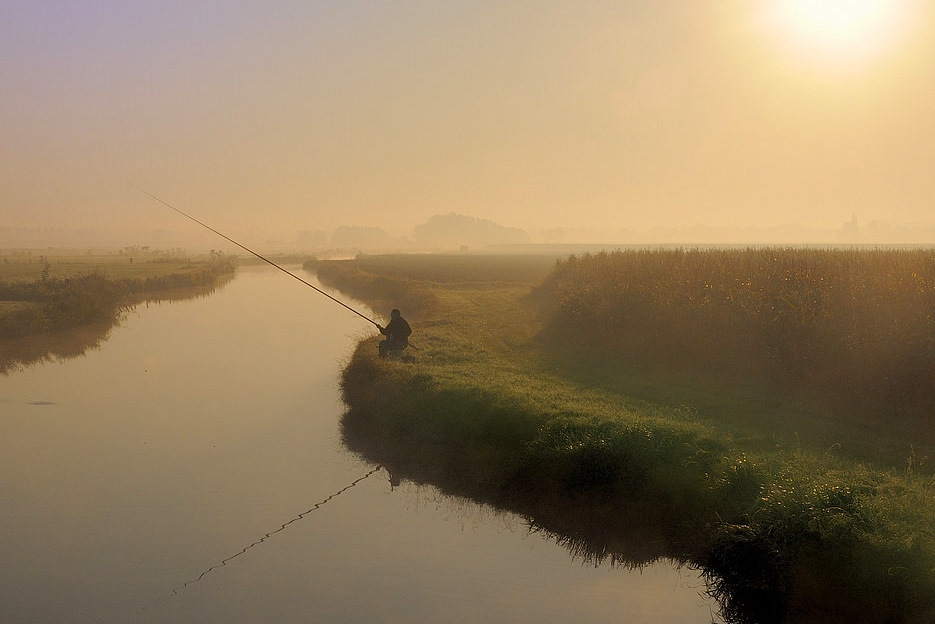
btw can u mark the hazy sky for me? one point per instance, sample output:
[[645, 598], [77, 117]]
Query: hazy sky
[[275, 117]]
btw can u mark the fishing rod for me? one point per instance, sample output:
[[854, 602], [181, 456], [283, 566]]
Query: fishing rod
[[264, 259]]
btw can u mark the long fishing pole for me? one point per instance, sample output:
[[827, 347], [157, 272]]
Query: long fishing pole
[[264, 259]]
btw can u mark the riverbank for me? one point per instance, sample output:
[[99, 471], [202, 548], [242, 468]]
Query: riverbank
[[66, 304], [487, 411]]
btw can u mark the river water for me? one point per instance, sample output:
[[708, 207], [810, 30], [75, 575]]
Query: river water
[[150, 481]]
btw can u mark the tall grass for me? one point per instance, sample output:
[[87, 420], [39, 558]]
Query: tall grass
[[855, 327]]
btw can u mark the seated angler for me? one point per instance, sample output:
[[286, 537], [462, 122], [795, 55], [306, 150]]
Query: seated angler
[[397, 335]]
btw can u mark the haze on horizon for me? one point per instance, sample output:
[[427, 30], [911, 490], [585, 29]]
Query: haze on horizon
[[270, 118]]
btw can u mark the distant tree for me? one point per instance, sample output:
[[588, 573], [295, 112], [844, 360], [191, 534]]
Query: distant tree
[[454, 230]]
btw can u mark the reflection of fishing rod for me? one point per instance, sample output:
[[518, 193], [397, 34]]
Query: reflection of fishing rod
[[271, 533], [267, 260]]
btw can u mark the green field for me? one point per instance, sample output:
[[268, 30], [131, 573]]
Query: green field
[[30, 265], [610, 448]]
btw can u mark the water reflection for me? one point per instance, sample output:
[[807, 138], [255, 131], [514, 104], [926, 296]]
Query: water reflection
[[281, 528], [19, 353], [630, 534], [635, 533]]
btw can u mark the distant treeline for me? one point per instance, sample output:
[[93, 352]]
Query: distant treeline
[[856, 327]]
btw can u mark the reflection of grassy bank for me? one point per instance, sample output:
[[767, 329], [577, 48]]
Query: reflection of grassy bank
[[783, 532], [44, 302], [16, 353]]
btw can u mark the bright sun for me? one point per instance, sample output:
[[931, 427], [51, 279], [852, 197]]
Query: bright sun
[[837, 32]]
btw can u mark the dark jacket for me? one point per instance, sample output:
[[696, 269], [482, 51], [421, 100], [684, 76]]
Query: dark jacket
[[397, 329]]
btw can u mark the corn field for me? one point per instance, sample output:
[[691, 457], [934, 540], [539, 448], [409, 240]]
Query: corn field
[[856, 327]]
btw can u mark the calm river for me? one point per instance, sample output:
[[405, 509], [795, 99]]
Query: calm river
[[138, 480]]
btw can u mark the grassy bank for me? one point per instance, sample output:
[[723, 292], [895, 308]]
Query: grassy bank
[[47, 293], [489, 411], [43, 299]]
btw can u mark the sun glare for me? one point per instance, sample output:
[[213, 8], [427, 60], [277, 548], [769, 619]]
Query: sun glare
[[837, 32]]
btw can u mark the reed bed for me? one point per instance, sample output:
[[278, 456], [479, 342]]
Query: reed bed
[[854, 327]]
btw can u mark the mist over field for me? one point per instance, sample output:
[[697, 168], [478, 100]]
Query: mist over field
[[464, 233], [316, 124]]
